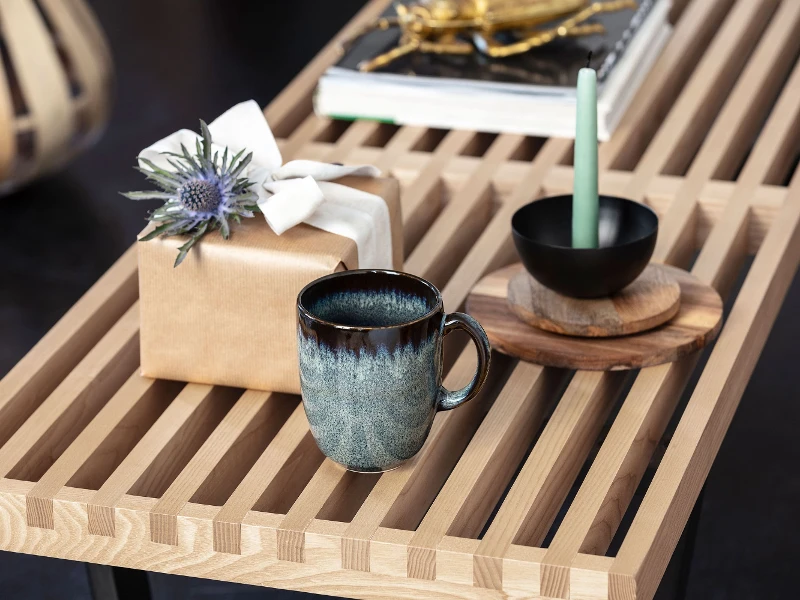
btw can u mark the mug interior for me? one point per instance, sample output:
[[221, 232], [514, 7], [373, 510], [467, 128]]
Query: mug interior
[[367, 299]]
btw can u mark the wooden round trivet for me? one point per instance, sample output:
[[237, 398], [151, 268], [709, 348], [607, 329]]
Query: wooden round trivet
[[697, 323], [653, 299]]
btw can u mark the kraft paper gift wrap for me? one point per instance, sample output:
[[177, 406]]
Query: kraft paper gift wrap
[[227, 314]]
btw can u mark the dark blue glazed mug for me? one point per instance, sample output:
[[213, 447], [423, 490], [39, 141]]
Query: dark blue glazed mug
[[370, 346]]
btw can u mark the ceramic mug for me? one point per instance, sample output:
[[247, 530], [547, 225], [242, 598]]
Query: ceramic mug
[[370, 346]]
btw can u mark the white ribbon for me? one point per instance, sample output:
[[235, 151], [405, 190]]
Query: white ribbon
[[297, 192]]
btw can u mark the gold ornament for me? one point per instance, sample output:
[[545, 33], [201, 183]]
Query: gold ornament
[[439, 26]]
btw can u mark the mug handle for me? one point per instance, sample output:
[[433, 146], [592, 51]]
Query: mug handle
[[448, 400]]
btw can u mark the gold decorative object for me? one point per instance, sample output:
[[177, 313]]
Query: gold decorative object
[[55, 80], [440, 26]]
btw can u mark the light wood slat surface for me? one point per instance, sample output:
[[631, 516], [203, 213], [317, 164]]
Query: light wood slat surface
[[136, 393], [101, 513], [473, 488], [652, 102], [550, 469], [420, 203], [103, 465], [91, 383], [398, 495], [638, 566], [253, 411], [57, 353]]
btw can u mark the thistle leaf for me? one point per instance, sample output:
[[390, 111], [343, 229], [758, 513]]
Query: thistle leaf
[[168, 185], [224, 160], [157, 232], [206, 139], [234, 160], [184, 250], [148, 195], [241, 166], [223, 225], [155, 169], [190, 159]]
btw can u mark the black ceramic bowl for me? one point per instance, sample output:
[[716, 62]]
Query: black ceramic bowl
[[543, 236]]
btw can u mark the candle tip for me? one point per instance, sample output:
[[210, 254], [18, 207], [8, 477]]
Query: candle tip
[[589, 60]]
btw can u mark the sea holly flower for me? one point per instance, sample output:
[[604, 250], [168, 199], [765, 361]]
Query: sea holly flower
[[200, 195]]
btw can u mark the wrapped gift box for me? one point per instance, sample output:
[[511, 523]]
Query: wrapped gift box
[[227, 314]]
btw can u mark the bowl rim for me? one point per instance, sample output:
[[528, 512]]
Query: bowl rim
[[641, 205]]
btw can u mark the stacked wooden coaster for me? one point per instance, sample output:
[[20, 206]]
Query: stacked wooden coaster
[[665, 314]]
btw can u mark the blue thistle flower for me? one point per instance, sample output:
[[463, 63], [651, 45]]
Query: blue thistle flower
[[200, 195]]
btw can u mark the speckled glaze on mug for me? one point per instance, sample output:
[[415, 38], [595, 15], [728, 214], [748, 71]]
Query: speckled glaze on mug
[[370, 346]]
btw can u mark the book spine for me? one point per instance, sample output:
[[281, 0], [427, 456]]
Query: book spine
[[622, 44]]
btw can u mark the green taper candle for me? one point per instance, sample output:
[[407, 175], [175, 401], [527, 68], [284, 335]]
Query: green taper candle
[[585, 199]]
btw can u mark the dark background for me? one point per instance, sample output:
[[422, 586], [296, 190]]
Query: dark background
[[180, 60]]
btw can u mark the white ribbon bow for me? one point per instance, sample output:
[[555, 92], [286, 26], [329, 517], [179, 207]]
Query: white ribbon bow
[[299, 191]]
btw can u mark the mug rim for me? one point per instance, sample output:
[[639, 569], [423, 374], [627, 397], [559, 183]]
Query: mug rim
[[438, 307]]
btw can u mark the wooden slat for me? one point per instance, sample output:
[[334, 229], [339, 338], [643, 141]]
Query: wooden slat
[[538, 491], [401, 142], [254, 414], [657, 525], [683, 129], [195, 401], [493, 248], [137, 393], [598, 508], [465, 502], [54, 356], [399, 495], [464, 216], [420, 204], [654, 98], [228, 521], [729, 140], [310, 128], [92, 382]]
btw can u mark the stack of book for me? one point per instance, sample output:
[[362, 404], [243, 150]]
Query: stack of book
[[531, 93]]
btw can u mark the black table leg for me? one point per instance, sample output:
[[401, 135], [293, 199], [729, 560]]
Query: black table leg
[[689, 539], [117, 583]]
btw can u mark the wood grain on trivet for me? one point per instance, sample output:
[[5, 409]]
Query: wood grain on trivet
[[653, 299], [697, 323]]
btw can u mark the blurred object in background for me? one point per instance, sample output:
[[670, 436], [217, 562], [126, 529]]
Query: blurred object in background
[[55, 86]]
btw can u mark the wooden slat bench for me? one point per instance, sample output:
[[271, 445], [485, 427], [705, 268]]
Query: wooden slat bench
[[521, 493]]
